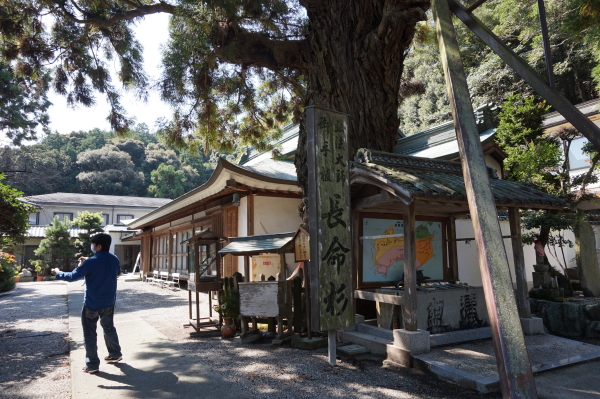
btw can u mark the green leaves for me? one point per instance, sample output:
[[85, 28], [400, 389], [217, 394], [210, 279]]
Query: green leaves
[[14, 215]]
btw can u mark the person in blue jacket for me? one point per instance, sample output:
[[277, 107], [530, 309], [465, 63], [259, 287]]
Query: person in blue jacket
[[100, 273]]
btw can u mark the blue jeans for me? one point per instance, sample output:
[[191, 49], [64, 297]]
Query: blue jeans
[[89, 320]]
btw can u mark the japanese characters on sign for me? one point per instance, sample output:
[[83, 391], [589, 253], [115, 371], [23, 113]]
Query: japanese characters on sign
[[329, 219], [301, 246]]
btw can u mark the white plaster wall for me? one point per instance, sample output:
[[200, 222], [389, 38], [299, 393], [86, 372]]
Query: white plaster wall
[[490, 161], [468, 258], [468, 265], [277, 215], [47, 212]]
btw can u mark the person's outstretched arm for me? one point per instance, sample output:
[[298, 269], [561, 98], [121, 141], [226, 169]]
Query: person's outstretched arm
[[77, 274]]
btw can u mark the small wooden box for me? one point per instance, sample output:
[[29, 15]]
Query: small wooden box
[[265, 298]]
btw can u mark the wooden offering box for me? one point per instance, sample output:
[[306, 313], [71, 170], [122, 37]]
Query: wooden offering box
[[266, 298]]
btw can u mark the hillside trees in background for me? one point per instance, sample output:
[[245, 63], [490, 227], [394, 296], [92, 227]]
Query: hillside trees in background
[[51, 164], [167, 182], [108, 171], [575, 51]]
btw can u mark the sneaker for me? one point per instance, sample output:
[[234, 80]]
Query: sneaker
[[110, 359], [89, 370]]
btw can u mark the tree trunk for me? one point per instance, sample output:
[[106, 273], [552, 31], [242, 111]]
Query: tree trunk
[[356, 62]]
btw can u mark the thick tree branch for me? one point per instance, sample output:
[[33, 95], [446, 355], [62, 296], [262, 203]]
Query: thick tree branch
[[238, 46], [115, 18]]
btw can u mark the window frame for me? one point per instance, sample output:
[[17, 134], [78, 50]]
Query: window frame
[[106, 217], [119, 222], [37, 218], [63, 213]]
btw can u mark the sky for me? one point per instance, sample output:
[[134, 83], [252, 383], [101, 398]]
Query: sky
[[151, 32]]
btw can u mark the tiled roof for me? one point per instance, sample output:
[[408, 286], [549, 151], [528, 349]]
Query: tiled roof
[[428, 179], [40, 232], [587, 108], [256, 244], [276, 169], [94, 199]]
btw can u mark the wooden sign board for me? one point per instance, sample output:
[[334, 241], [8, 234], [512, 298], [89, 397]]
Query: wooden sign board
[[329, 219], [301, 246]]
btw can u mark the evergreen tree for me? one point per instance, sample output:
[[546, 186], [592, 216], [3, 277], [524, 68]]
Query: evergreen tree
[[92, 224], [56, 248], [168, 182]]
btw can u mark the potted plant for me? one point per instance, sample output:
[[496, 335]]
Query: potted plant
[[17, 271], [40, 268], [228, 308]]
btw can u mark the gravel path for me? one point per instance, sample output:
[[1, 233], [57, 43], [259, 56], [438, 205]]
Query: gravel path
[[267, 371], [37, 367], [34, 342]]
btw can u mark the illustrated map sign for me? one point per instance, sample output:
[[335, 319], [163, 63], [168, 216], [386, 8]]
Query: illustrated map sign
[[329, 219], [383, 249]]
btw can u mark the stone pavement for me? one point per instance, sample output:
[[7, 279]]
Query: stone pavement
[[152, 367]]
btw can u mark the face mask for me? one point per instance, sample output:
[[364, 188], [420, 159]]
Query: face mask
[[92, 248]]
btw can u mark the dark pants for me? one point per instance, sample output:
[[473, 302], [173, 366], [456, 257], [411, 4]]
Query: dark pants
[[89, 321]]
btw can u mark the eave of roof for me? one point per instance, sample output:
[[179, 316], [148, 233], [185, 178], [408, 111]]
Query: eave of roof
[[93, 200], [215, 186], [251, 245], [422, 178]]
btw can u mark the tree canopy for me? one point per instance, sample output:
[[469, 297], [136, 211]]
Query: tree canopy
[[233, 72], [14, 215]]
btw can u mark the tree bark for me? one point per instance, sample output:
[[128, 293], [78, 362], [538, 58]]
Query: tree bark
[[357, 51]]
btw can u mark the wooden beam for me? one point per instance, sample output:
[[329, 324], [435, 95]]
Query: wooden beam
[[452, 249], [409, 310], [250, 214], [383, 198], [384, 298], [519, 259], [514, 368]]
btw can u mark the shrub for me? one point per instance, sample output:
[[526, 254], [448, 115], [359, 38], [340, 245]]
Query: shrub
[[7, 271]]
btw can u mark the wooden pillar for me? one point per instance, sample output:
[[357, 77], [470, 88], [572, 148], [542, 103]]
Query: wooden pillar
[[250, 214], [452, 249], [519, 259], [410, 270], [170, 251], [283, 267], [247, 267]]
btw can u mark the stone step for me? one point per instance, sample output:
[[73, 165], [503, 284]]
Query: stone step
[[454, 337], [374, 344], [376, 331], [352, 349]]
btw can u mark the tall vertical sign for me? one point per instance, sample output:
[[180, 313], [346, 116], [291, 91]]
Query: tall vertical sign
[[329, 219]]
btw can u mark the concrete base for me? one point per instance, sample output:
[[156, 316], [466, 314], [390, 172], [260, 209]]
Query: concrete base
[[399, 356], [309, 344], [283, 339], [414, 342], [473, 365], [352, 349], [250, 336], [454, 337], [532, 326], [26, 279]]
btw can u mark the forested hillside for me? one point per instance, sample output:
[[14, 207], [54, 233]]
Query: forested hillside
[[574, 30], [97, 162]]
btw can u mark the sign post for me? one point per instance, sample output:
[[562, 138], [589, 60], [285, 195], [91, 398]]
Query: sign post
[[329, 222]]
